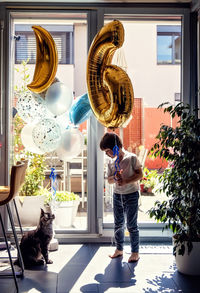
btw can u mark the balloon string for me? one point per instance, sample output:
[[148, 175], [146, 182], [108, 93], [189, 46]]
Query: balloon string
[[53, 179], [116, 153]]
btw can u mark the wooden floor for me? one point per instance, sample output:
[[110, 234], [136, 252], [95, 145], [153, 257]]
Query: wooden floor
[[87, 268]]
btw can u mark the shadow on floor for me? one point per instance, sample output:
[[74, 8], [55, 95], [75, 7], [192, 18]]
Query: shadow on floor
[[117, 275]]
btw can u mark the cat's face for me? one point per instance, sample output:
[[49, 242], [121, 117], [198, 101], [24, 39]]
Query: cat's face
[[46, 218]]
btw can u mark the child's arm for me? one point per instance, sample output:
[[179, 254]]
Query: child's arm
[[111, 179], [137, 175]]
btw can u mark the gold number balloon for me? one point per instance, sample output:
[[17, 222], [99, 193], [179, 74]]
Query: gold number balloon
[[109, 87], [46, 61]]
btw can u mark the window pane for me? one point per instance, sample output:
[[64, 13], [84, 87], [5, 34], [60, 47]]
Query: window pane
[[26, 45], [152, 84], [21, 51], [164, 47], [70, 163], [177, 41], [31, 49]]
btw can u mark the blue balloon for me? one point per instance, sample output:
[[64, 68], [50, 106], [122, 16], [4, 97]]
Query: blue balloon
[[80, 110]]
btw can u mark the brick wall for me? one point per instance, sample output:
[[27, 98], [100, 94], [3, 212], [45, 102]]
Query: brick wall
[[132, 134]]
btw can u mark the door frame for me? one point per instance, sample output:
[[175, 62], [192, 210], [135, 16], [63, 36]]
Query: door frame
[[97, 232]]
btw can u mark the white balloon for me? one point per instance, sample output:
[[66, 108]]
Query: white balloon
[[63, 121], [27, 139], [47, 135], [71, 144], [31, 108], [58, 98]]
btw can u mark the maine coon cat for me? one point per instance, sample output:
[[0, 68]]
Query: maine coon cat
[[34, 244]]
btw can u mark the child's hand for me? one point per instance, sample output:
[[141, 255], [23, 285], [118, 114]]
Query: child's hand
[[118, 176]]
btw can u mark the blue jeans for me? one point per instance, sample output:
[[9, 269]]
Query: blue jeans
[[126, 205]]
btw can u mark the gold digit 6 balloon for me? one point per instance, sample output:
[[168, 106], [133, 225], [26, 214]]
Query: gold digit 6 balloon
[[46, 61], [109, 87]]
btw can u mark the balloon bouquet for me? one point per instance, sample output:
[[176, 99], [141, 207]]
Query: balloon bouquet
[[48, 107], [47, 103]]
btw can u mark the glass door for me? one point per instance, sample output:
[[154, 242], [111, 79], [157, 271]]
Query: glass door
[[151, 56], [45, 127]]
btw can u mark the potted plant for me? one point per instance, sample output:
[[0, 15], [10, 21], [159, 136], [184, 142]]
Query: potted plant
[[32, 194], [180, 146], [149, 180], [65, 205]]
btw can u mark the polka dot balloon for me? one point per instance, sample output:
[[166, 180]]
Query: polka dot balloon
[[47, 135]]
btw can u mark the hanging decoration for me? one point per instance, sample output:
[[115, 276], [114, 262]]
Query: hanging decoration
[[109, 87], [52, 176], [117, 167], [45, 107], [46, 61]]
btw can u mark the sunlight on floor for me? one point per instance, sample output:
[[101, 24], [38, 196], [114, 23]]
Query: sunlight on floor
[[61, 260], [33, 290]]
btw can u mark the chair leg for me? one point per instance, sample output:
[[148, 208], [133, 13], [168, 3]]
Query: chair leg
[[9, 255], [16, 239], [18, 218]]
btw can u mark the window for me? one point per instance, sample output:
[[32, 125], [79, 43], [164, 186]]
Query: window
[[168, 44], [177, 97], [26, 44]]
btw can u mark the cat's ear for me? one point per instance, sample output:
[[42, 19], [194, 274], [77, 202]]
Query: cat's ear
[[42, 212]]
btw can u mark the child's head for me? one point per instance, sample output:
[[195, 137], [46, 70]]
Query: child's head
[[109, 140]]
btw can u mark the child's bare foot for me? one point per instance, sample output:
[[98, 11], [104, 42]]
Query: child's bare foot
[[117, 253], [134, 257]]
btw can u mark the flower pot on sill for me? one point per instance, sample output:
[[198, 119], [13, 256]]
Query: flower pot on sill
[[189, 264], [65, 214], [142, 187], [149, 189], [29, 209]]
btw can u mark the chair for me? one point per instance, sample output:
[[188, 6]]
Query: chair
[[7, 193]]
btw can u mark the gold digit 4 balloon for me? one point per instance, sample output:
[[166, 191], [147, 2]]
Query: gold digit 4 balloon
[[46, 61], [110, 89]]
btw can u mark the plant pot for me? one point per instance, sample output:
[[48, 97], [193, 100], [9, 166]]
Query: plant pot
[[149, 189], [142, 187], [65, 214], [29, 209], [189, 264]]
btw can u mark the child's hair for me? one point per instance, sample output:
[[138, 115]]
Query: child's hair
[[109, 140]]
